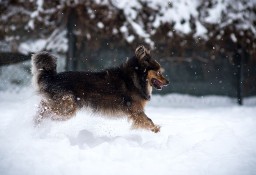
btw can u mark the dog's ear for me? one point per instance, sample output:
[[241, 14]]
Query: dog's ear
[[141, 52]]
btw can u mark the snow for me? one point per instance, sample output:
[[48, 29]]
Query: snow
[[235, 13], [199, 135], [100, 25], [32, 46], [179, 13], [35, 14], [201, 30], [165, 14], [57, 41], [215, 12], [233, 37]]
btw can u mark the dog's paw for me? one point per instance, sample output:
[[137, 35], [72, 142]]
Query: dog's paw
[[156, 129]]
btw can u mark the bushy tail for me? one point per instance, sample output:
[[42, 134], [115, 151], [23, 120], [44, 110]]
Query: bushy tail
[[43, 67]]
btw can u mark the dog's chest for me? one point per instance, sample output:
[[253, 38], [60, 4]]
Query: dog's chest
[[149, 88]]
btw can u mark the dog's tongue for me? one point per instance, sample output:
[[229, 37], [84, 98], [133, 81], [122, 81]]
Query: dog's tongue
[[157, 84]]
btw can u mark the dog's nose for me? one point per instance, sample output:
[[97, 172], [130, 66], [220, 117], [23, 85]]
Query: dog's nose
[[166, 82]]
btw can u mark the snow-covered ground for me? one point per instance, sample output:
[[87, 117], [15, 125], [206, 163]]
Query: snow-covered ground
[[208, 136]]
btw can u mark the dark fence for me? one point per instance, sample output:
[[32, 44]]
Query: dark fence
[[15, 71], [188, 75], [14, 77]]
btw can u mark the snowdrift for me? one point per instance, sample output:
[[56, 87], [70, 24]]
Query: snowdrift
[[199, 135]]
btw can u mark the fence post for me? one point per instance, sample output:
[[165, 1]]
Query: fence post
[[71, 60], [239, 57]]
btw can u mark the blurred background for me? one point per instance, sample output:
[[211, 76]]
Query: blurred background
[[206, 47]]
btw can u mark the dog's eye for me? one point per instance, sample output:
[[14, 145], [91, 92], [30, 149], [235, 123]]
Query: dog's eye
[[158, 73]]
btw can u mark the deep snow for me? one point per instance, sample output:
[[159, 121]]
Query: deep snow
[[199, 135]]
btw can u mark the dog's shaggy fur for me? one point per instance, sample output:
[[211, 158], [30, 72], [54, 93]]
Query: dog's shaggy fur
[[123, 90]]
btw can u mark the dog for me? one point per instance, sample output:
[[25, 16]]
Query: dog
[[123, 90]]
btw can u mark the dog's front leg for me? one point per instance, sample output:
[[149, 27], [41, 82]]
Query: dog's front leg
[[140, 120]]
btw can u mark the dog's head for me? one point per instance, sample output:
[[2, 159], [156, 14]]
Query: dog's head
[[156, 79], [152, 67], [145, 60]]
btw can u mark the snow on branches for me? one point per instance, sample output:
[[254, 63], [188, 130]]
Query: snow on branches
[[129, 19]]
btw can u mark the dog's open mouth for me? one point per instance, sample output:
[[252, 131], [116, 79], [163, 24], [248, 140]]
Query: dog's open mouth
[[157, 84]]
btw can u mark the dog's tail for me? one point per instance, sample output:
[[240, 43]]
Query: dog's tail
[[43, 69]]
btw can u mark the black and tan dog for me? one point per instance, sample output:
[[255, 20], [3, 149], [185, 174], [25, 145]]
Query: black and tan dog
[[119, 91]]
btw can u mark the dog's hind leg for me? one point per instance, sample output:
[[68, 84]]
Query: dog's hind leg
[[59, 108], [140, 120], [43, 112], [64, 107]]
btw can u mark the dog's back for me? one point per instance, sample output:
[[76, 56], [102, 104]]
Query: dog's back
[[104, 91]]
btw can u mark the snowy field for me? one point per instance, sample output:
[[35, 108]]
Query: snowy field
[[199, 136]]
